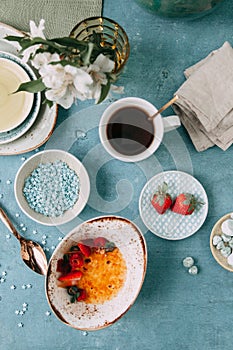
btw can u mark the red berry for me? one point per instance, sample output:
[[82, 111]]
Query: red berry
[[86, 250], [185, 204], [161, 200], [82, 295], [76, 260], [71, 276], [100, 242]]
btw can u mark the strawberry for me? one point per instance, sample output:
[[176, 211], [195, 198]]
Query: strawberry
[[82, 295], [100, 242], [185, 204], [76, 260], [161, 200], [71, 276], [85, 249]]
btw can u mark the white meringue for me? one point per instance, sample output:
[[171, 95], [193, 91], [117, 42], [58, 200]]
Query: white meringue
[[227, 227], [230, 259]]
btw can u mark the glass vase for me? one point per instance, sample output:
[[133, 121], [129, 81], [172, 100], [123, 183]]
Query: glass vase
[[112, 35], [180, 8]]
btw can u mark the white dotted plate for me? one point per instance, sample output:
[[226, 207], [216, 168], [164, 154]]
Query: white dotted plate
[[171, 225]]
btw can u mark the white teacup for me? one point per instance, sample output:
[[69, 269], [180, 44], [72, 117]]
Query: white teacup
[[159, 126]]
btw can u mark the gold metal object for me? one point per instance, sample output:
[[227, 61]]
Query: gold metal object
[[31, 252], [168, 104], [112, 35]]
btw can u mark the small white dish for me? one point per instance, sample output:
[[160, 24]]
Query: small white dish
[[170, 225], [51, 156], [131, 243], [40, 130], [14, 107], [18, 131], [217, 231]]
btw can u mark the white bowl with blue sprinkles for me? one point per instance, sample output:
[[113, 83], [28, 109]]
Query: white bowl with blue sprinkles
[[52, 187]]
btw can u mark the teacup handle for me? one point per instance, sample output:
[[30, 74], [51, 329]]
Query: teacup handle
[[170, 123]]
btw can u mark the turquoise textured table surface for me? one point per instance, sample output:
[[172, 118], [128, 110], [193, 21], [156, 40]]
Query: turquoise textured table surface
[[174, 310]]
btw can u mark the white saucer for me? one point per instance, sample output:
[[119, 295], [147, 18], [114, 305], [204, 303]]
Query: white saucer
[[170, 225], [41, 129], [19, 130]]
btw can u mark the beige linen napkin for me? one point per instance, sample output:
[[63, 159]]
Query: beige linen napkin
[[60, 15], [205, 100]]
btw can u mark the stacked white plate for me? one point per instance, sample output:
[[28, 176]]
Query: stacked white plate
[[18, 111]]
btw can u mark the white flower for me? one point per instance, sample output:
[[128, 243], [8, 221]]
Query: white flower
[[97, 71], [117, 89], [65, 83], [35, 32], [66, 72], [29, 52], [104, 64], [42, 59]]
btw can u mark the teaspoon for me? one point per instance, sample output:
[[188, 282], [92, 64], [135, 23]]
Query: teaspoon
[[31, 252]]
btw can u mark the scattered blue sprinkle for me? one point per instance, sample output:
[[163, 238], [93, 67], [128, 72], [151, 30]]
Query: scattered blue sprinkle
[[52, 188]]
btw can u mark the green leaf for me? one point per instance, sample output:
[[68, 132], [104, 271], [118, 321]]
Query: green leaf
[[67, 63], [70, 42], [104, 91], [109, 246], [14, 38], [87, 54], [47, 102], [96, 38], [73, 299], [164, 187], [32, 86], [25, 43]]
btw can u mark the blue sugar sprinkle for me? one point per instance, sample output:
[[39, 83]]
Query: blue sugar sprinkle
[[52, 188]]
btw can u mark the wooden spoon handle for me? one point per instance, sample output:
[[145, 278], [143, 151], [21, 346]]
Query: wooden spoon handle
[[4, 218], [169, 103]]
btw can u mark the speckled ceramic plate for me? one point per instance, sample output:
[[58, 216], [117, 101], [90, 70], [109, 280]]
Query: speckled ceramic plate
[[18, 131], [221, 260], [171, 225], [131, 244], [45, 122]]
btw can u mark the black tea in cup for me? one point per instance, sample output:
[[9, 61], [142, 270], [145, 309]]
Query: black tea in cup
[[129, 130]]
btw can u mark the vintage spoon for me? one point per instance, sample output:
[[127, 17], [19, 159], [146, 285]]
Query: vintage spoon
[[169, 103], [31, 252]]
